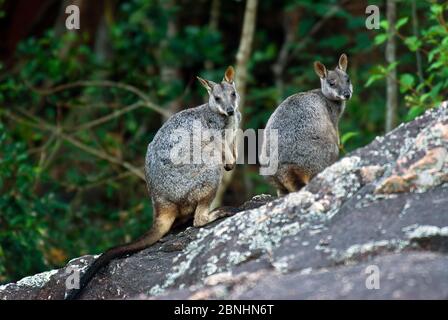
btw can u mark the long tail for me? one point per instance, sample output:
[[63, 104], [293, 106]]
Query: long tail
[[141, 243]]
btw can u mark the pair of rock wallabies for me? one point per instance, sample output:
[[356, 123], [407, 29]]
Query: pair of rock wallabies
[[182, 183]]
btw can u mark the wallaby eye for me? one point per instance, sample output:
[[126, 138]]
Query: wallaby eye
[[233, 94], [332, 83], [217, 99]]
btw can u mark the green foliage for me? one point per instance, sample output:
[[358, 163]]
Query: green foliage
[[347, 136], [60, 200], [145, 25], [76, 202], [432, 45], [24, 214]]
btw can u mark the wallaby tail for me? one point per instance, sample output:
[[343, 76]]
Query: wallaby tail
[[164, 218], [141, 243]]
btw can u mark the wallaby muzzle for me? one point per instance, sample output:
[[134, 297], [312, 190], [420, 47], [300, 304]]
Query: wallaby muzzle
[[347, 94]]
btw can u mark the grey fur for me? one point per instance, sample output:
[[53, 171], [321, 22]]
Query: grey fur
[[187, 185], [179, 190], [307, 124]]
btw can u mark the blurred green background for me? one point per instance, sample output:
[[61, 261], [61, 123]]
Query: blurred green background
[[77, 107]]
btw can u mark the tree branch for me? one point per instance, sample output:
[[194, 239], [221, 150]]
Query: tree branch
[[242, 58], [105, 83], [108, 117], [58, 132]]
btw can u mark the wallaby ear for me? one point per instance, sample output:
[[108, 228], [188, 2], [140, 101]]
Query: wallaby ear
[[343, 61], [320, 69], [207, 84], [229, 74]]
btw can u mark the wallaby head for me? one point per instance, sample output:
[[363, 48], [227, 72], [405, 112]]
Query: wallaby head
[[223, 97], [335, 84]]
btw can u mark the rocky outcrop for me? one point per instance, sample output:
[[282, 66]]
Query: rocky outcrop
[[378, 217]]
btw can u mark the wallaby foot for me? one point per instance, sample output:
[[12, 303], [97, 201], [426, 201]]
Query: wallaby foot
[[281, 189], [281, 192], [204, 216], [225, 211]]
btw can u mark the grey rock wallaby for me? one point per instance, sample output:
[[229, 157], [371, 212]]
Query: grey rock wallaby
[[307, 128], [184, 167]]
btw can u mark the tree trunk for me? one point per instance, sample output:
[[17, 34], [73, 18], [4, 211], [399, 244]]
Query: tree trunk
[[245, 49], [415, 30], [391, 90], [213, 25], [290, 23], [242, 58], [169, 73]]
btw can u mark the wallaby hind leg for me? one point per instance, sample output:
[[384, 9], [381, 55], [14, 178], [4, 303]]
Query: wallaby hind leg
[[281, 190], [202, 214], [164, 216], [294, 179], [302, 177], [289, 181]]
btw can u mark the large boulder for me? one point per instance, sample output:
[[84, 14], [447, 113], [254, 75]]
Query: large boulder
[[373, 225]]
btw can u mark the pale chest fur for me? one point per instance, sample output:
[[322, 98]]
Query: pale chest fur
[[334, 112], [231, 127]]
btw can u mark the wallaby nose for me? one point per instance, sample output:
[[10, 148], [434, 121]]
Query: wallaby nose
[[347, 95], [230, 112]]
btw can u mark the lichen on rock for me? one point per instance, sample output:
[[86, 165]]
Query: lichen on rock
[[384, 205]]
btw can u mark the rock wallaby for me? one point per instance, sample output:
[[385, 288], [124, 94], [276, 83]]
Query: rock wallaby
[[184, 167], [307, 128]]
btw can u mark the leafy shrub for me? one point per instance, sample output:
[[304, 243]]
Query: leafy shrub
[[24, 214], [432, 44]]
